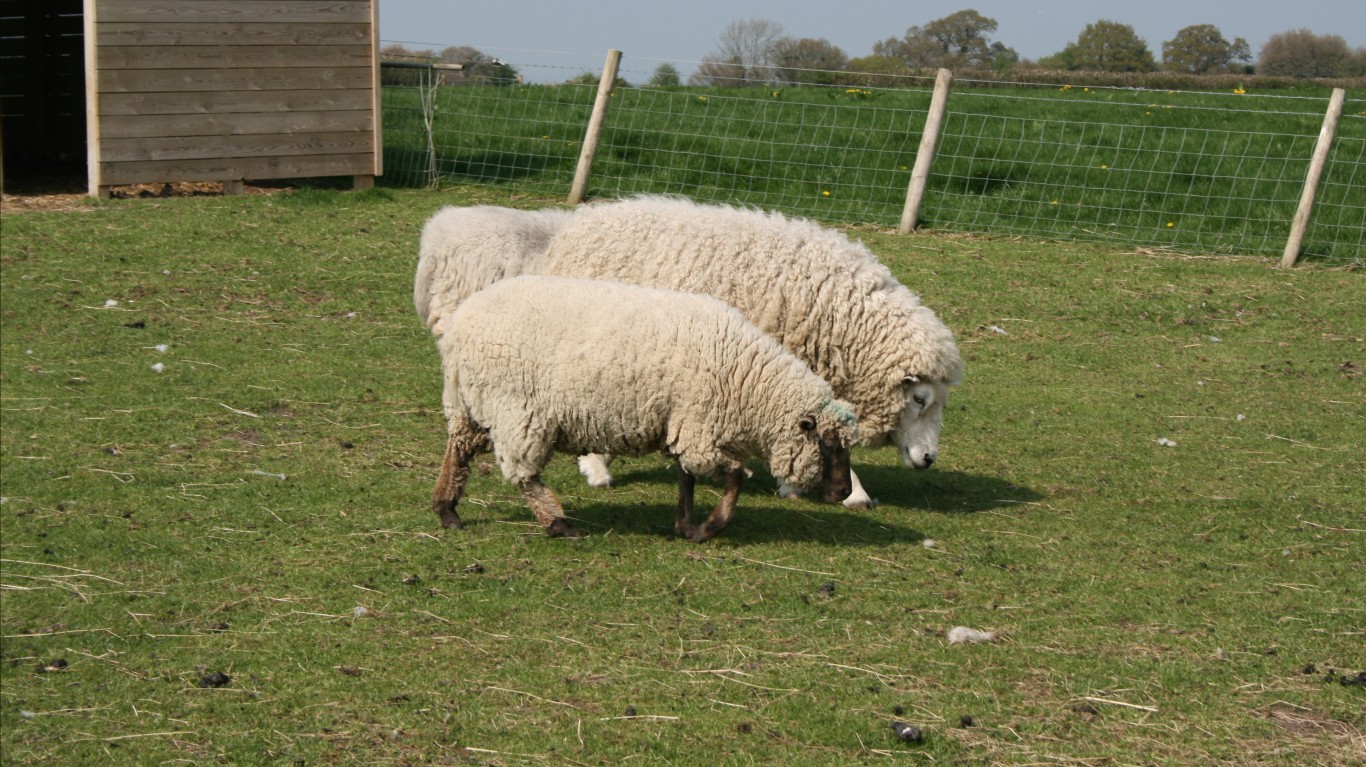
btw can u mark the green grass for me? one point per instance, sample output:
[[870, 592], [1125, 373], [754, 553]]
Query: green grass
[[1189, 172], [1154, 605]]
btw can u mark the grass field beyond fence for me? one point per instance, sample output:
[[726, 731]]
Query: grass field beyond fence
[[221, 428], [1206, 173]]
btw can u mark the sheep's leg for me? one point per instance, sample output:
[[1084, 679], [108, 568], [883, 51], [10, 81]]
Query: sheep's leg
[[720, 516], [594, 468], [461, 445], [858, 497], [547, 509], [687, 485]]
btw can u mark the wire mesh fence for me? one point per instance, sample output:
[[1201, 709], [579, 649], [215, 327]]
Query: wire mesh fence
[[1184, 171]]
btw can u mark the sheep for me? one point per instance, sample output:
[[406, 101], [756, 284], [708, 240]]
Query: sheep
[[536, 364], [463, 249], [825, 297]]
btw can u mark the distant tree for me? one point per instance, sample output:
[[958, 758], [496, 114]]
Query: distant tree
[[478, 68], [718, 73], [744, 54], [1201, 49], [807, 60], [957, 41], [1003, 59], [1108, 46], [593, 78], [1302, 53], [665, 76], [878, 65], [1064, 59], [888, 71], [1358, 63]]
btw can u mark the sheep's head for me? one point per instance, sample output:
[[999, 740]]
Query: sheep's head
[[815, 450], [906, 384], [917, 430]]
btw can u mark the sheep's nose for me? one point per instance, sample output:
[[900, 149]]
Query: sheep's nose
[[929, 459]]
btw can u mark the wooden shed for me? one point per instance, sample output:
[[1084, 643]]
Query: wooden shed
[[207, 90]]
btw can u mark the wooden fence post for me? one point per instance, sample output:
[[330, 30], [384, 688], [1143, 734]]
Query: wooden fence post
[[924, 157], [1300, 224], [590, 139]]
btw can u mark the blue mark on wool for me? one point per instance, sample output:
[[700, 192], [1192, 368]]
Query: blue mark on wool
[[840, 410]]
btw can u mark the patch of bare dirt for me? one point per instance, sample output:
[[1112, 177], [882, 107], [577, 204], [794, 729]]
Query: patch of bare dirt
[[1323, 739], [63, 193]]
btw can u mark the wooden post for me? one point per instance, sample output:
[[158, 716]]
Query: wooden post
[[924, 157], [94, 173], [1300, 224], [590, 139], [376, 103]]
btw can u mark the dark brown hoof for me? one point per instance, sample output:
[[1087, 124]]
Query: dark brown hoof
[[562, 529], [448, 516], [699, 534]]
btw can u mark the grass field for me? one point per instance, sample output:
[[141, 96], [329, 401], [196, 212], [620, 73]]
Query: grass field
[[221, 429], [1189, 172]]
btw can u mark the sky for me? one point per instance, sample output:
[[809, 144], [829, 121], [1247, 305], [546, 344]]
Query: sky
[[555, 40]]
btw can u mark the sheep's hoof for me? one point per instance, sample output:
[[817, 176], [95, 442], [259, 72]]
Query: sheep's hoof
[[448, 516], [699, 533], [860, 504], [562, 529]]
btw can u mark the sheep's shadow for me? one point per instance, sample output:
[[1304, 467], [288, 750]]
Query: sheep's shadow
[[942, 490], [764, 517]]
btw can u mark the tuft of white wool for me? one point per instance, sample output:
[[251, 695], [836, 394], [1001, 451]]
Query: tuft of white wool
[[965, 635], [560, 364], [464, 249]]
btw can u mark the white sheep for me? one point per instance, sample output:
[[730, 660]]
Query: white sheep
[[537, 364], [825, 297], [465, 249]]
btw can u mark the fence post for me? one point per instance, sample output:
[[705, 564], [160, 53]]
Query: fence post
[[590, 139], [924, 157], [1311, 182]]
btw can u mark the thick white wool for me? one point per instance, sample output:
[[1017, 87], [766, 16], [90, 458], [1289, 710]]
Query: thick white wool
[[465, 249], [548, 364], [824, 297]]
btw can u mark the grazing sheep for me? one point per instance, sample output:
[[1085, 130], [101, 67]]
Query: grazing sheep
[[465, 249], [538, 364], [823, 296]]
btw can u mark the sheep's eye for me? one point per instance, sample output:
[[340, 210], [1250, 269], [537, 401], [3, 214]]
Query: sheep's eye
[[919, 399]]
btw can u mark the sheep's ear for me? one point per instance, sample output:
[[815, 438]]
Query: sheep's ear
[[807, 423], [911, 380]]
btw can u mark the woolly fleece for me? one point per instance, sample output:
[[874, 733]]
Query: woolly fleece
[[824, 297], [579, 366], [465, 249]]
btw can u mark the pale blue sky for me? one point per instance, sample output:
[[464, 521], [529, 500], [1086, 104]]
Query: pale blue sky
[[551, 41]]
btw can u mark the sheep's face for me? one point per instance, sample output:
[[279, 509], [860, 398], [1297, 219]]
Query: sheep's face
[[816, 451], [917, 430]]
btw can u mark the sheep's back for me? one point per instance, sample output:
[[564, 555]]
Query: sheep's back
[[465, 249], [616, 364]]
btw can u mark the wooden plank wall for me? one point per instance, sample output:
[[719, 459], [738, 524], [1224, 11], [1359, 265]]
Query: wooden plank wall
[[227, 90]]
